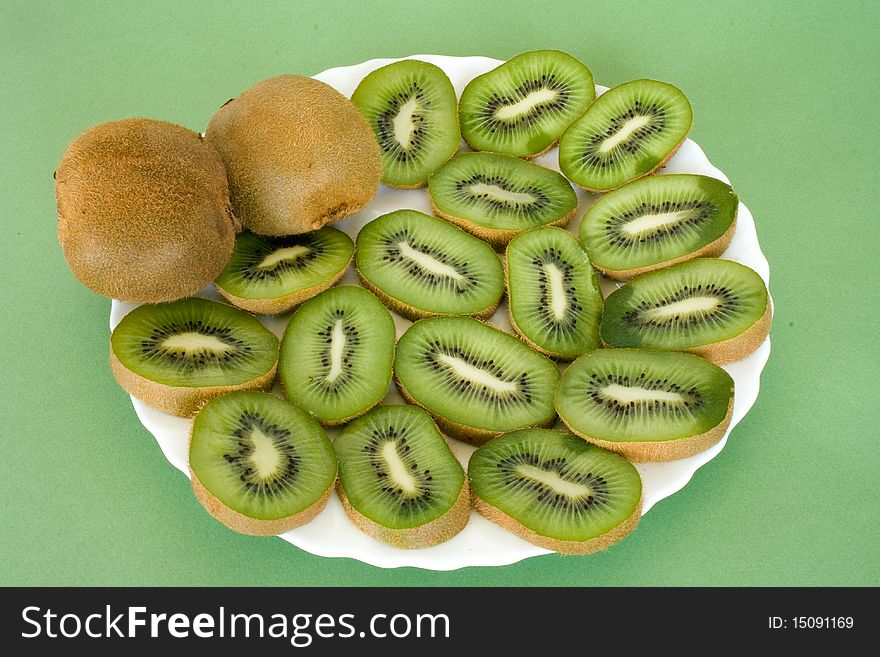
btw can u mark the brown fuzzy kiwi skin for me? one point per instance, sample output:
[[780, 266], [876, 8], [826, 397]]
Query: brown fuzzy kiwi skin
[[255, 526], [497, 238], [298, 155], [282, 304], [435, 532], [473, 435], [179, 400], [559, 545], [413, 313], [661, 450], [143, 210], [713, 249], [662, 163]]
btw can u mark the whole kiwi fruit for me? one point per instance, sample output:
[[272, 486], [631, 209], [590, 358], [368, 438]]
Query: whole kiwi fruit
[[143, 210], [299, 155]]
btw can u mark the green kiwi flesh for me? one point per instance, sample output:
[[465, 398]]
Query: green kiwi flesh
[[555, 490], [337, 353], [412, 109], [630, 131], [522, 107], [692, 306], [397, 471], [553, 293], [273, 274], [498, 196], [177, 355], [422, 266], [476, 380], [264, 463], [629, 399], [656, 220]]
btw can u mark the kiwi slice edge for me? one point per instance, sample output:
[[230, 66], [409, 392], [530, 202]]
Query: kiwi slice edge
[[709, 386], [725, 349], [204, 452], [584, 134], [585, 339], [181, 396], [381, 266], [454, 416], [544, 185], [309, 370], [485, 468], [258, 301], [720, 196], [410, 80], [422, 440]]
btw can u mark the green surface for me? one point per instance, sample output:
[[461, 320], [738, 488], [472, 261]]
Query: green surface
[[785, 102]]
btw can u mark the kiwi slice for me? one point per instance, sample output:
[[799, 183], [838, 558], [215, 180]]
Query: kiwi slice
[[399, 481], [555, 490], [422, 267], [496, 197], [272, 275], [718, 309], [336, 354], [553, 293], [412, 109], [659, 221], [522, 107], [476, 380], [260, 465], [176, 356], [630, 131], [646, 405]]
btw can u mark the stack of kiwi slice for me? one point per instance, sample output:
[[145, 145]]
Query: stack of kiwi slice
[[645, 384]]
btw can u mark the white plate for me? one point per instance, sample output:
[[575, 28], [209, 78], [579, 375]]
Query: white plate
[[482, 543]]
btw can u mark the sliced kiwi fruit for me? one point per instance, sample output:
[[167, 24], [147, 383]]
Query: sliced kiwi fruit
[[555, 490], [630, 131], [424, 267], [497, 197], [260, 465], [522, 107], [718, 309], [659, 221], [412, 109], [176, 356], [143, 211], [646, 405], [398, 480], [269, 275], [337, 353], [554, 299], [298, 154], [477, 381]]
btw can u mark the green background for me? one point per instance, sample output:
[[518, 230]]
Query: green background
[[785, 98]]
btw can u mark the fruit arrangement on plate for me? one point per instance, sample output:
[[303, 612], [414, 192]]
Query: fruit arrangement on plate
[[150, 213]]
